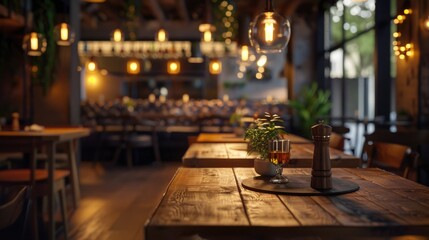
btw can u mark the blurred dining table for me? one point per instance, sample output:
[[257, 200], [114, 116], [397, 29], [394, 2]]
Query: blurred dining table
[[235, 155], [30, 142]]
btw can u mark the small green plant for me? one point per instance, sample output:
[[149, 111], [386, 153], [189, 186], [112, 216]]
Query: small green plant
[[261, 132], [312, 105]]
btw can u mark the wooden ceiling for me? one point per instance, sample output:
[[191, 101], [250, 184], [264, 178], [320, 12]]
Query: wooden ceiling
[[180, 17]]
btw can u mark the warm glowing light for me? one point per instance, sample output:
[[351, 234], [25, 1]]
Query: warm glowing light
[[162, 99], [225, 98], [91, 66], [402, 48], [92, 81], [396, 34], [395, 48], [262, 61], [410, 53], [395, 43], [397, 53], [152, 98], [34, 41], [173, 67], [161, 36], [269, 28], [185, 98], [407, 11], [261, 69], [240, 75], [401, 18], [259, 75], [117, 35], [64, 31], [396, 21], [133, 66], [427, 23], [244, 53], [402, 56], [215, 66], [207, 36], [409, 45]]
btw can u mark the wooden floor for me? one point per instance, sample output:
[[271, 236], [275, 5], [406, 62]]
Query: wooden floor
[[117, 201]]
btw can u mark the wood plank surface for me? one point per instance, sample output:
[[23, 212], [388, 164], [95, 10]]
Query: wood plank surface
[[233, 138], [235, 155], [378, 209]]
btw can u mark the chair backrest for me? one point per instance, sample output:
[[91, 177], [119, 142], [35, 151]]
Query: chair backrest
[[337, 141], [13, 206], [392, 157]]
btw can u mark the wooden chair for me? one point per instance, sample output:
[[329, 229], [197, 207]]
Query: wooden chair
[[15, 206], [396, 158], [339, 140], [19, 177]]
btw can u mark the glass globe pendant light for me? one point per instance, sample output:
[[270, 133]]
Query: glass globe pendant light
[[269, 32], [34, 44], [63, 34]]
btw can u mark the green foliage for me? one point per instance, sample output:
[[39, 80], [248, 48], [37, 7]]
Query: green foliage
[[44, 23], [312, 105], [261, 132]]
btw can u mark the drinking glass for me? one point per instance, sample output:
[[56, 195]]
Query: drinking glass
[[279, 155]]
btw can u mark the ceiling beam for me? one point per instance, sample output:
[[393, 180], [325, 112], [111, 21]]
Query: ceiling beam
[[157, 10], [183, 10]]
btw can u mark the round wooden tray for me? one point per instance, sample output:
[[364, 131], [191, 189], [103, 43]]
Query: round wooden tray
[[299, 185]]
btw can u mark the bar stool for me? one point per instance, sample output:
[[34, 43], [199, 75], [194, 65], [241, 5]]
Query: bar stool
[[13, 177]]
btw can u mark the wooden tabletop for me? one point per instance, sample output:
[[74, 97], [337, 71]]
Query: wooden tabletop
[[235, 155], [212, 204], [233, 138]]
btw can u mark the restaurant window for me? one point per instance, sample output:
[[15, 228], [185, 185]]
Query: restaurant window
[[350, 45]]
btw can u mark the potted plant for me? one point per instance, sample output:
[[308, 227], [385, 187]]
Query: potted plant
[[259, 134], [313, 104]]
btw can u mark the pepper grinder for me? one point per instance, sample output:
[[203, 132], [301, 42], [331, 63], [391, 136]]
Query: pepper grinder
[[321, 175], [15, 121]]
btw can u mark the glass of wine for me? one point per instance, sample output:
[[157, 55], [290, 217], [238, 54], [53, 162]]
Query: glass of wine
[[279, 155]]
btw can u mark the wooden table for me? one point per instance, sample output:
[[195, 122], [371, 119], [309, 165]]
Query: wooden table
[[211, 203], [232, 138], [235, 155], [30, 141]]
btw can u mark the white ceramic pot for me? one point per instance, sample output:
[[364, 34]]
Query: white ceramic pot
[[264, 168]]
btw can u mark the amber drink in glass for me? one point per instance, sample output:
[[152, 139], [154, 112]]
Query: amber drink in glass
[[279, 155]]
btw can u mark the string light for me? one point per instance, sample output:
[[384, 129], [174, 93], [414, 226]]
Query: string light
[[402, 51]]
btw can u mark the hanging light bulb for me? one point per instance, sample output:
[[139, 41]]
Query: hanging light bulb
[[173, 67], [133, 66], [34, 44], [117, 35], [215, 66], [64, 35], [269, 32], [91, 65], [161, 35]]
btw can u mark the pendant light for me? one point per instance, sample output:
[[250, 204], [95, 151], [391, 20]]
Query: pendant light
[[133, 66], [161, 35], [426, 23], [117, 35], [91, 65], [63, 34], [215, 66], [173, 66], [269, 32], [34, 44]]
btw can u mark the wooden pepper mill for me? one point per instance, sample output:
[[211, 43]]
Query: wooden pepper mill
[[321, 175], [15, 121]]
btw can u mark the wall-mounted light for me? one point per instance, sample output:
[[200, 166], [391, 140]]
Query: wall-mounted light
[[426, 23], [34, 44], [206, 30], [117, 35], [64, 35], [215, 66], [173, 66], [161, 35], [269, 32], [133, 66]]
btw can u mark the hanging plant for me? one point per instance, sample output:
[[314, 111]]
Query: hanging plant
[[43, 67]]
